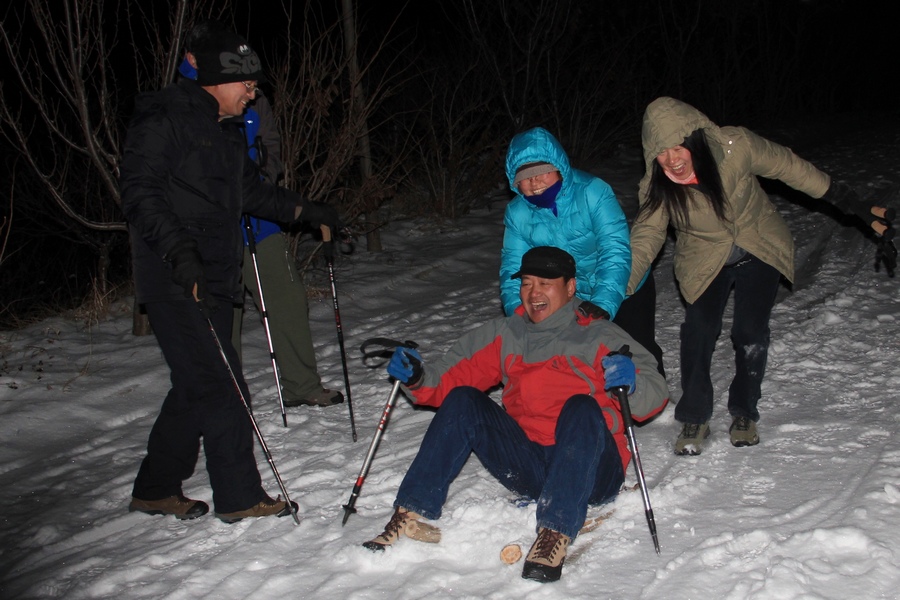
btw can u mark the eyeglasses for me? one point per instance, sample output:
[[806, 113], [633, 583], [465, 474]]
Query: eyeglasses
[[252, 88]]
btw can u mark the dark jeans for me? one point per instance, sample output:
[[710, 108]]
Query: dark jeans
[[202, 403], [755, 284], [637, 316], [582, 468]]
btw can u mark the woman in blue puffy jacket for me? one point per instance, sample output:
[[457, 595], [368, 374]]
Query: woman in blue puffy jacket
[[557, 205]]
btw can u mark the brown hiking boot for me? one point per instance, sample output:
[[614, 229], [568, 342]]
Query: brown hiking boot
[[178, 506], [545, 560], [266, 508], [320, 398], [404, 522]]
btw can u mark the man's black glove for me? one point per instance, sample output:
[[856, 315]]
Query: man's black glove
[[187, 272], [318, 214], [845, 198], [592, 311]]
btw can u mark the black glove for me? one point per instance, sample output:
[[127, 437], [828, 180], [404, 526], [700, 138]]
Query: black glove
[[592, 311], [845, 198], [187, 271], [318, 214]]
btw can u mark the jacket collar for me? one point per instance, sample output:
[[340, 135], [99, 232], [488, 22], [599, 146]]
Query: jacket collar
[[201, 96], [557, 320]]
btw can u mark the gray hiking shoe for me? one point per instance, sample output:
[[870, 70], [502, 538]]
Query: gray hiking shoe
[[690, 440], [743, 432], [404, 522], [545, 560]]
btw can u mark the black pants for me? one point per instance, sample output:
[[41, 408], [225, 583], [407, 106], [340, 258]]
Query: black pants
[[637, 316], [202, 404], [755, 284]]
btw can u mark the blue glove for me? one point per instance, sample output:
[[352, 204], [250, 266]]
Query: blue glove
[[619, 371], [405, 365]]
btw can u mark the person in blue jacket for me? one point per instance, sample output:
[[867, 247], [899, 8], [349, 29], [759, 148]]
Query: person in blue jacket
[[558, 205]]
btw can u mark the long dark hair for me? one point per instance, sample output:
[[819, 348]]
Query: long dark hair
[[663, 192]]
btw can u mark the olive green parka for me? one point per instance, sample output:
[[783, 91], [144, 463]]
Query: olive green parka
[[752, 221]]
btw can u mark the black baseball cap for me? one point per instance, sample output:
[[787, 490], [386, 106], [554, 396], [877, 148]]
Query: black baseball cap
[[547, 262]]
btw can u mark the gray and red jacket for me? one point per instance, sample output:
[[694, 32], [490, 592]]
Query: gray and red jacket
[[542, 365]]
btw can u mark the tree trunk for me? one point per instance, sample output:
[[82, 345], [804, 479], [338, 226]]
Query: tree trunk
[[373, 237], [140, 324]]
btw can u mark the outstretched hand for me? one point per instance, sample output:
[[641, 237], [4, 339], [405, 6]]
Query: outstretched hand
[[877, 217], [882, 225]]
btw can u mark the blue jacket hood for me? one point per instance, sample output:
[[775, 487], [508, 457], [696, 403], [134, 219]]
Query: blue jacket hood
[[537, 145]]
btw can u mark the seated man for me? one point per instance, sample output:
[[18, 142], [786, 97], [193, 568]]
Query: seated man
[[558, 438]]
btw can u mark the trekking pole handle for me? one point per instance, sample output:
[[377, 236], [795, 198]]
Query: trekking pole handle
[[621, 394]]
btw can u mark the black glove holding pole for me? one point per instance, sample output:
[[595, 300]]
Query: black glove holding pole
[[845, 198], [318, 214], [187, 273]]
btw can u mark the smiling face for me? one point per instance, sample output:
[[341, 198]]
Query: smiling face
[[677, 163], [542, 297], [537, 184], [232, 97]]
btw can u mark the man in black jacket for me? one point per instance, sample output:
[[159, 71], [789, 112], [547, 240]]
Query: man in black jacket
[[185, 180]]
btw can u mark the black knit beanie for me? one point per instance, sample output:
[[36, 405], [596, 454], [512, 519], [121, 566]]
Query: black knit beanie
[[226, 57]]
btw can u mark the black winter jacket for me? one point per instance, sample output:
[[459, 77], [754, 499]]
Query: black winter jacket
[[186, 178]]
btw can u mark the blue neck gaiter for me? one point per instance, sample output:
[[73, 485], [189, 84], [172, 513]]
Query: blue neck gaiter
[[187, 70], [547, 198]]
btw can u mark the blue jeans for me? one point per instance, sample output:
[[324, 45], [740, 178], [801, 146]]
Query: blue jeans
[[755, 284], [582, 468]]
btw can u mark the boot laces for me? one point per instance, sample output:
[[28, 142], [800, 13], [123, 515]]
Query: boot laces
[[546, 544], [742, 424], [395, 525], [691, 430]]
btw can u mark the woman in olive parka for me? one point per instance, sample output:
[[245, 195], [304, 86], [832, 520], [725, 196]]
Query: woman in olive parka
[[701, 180]]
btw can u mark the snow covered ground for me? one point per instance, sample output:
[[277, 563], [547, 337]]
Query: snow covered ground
[[812, 512]]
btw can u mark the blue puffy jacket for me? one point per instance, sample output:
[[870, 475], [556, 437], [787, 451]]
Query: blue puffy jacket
[[589, 225]]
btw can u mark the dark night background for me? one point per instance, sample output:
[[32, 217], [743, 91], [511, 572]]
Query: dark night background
[[584, 70]]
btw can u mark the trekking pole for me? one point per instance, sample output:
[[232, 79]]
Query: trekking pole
[[621, 393], [251, 243], [329, 260], [350, 507], [389, 346], [259, 435]]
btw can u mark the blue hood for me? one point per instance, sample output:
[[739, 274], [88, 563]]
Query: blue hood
[[538, 145]]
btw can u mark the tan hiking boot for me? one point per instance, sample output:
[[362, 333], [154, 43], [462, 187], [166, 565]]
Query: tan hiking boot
[[404, 522], [545, 560], [690, 440], [743, 432], [266, 508], [178, 506]]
